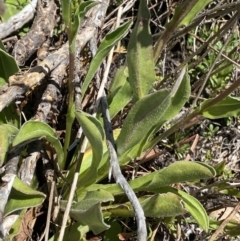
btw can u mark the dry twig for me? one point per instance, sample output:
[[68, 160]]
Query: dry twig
[[17, 21]]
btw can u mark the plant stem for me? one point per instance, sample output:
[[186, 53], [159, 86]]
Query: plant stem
[[70, 113]]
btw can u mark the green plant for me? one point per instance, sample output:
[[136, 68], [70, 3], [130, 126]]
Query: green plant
[[210, 132], [13, 7]]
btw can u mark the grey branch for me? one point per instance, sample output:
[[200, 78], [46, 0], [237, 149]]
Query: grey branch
[[17, 21], [119, 178]]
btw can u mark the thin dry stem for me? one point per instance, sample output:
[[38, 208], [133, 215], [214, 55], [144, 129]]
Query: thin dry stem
[[224, 223]]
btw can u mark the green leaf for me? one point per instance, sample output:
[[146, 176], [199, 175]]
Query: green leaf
[[80, 13], [103, 168], [232, 228], [88, 211], [13, 7], [9, 115], [228, 107], [178, 172], [119, 80], [155, 206], [180, 95], [192, 205], [35, 130], [120, 92], [93, 130], [66, 12], [8, 65], [15, 228], [227, 189], [140, 55], [163, 205], [110, 40], [141, 118], [112, 233], [195, 208], [22, 196], [183, 13], [199, 5], [219, 167], [69, 122], [2, 46], [7, 133], [150, 113], [73, 232]]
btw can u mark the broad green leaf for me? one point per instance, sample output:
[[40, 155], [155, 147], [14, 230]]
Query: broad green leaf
[[120, 92], [8, 65], [181, 171], [142, 117], [88, 211], [228, 107], [140, 55], [7, 133], [35, 130], [93, 130], [22, 196], [155, 206], [110, 40], [163, 205], [179, 96], [80, 13], [178, 172]]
